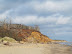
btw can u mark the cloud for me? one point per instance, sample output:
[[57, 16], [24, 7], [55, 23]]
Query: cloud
[[34, 20], [36, 6], [53, 6], [33, 13], [55, 19], [63, 20]]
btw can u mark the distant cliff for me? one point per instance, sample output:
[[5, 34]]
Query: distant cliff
[[59, 41]]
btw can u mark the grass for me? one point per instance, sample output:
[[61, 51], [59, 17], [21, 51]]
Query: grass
[[7, 39]]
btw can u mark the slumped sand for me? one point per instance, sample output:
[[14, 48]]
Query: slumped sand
[[36, 49]]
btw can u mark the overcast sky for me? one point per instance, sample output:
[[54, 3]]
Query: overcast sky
[[54, 17]]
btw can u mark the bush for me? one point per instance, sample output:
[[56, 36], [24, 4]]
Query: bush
[[8, 39]]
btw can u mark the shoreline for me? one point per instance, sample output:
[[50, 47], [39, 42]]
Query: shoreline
[[34, 44], [32, 48]]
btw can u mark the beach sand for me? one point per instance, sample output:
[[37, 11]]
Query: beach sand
[[35, 49]]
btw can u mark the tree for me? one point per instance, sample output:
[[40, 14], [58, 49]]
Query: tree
[[9, 24], [4, 24], [37, 28]]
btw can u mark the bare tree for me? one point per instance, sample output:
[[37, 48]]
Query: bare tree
[[37, 27], [4, 24], [9, 24]]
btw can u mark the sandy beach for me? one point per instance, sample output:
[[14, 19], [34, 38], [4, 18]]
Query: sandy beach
[[36, 49]]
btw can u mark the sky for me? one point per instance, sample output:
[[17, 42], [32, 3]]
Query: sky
[[54, 17]]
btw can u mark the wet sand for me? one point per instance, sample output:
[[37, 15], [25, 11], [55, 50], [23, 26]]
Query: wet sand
[[35, 49], [58, 49]]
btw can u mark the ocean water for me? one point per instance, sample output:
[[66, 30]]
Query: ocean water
[[66, 43]]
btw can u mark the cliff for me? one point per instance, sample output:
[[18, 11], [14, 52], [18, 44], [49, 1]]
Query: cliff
[[23, 33], [32, 36], [27, 35]]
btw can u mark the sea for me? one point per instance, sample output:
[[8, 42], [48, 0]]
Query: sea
[[66, 43]]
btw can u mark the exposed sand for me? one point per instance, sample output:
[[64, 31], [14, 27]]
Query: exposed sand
[[36, 49]]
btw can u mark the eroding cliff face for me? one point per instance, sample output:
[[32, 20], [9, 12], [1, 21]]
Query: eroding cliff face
[[26, 35], [33, 36]]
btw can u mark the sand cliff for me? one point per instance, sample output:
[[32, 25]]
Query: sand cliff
[[33, 36]]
